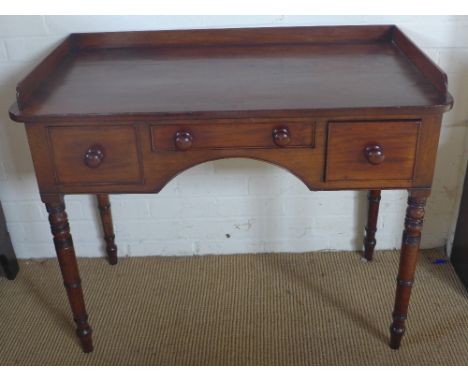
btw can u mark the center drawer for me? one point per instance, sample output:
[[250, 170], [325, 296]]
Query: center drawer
[[242, 135]]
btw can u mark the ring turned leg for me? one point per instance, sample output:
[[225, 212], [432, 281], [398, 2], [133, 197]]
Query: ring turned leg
[[107, 226], [67, 260], [408, 259], [371, 228]]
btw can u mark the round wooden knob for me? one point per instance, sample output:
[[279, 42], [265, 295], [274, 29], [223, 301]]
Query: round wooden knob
[[94, 156], [374, 154], [281, 136], [183, 140]]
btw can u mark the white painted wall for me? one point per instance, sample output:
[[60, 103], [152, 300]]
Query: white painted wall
[[260, 207]]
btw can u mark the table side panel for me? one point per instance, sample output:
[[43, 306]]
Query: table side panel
[[39, 145], [428, 142]]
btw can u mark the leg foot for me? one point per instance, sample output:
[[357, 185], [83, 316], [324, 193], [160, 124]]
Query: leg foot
[[86, 339], [107, 226], [408, 260], [371, 227], [67, 260], [396, 334]]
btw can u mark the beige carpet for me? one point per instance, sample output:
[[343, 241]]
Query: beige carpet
[[271, 309]]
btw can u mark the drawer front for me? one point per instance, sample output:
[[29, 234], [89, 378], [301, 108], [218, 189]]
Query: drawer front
[[383, 150], [211, 136], [95, 154]]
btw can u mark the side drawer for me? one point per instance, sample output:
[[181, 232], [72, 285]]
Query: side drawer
[[95, 154], [371, 150], [241, 135]]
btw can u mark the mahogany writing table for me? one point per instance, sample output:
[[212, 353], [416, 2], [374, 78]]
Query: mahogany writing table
[[342, 108]]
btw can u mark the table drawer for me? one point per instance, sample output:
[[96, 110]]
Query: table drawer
[[378, 150], [212, 136], [95, 154]]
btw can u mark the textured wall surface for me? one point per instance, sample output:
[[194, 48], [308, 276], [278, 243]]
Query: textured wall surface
[[228, 206]]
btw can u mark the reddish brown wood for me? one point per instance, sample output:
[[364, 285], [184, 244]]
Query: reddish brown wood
[[26, 88], [261, 74], [355, 107], [428, 142], [91, 154], [94, 156], [408, 260], [234, 36], [183, 140], [347, 158], [422, 62], [371, 227], [66, 256], [209, 135], [374, 154], [282, 136], [107, 226]]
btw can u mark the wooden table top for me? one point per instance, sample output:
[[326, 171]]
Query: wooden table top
[[284, 76]]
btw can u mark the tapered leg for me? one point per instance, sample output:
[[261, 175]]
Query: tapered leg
[[371, 227], [66, 256], [107, 226], [408, 259]]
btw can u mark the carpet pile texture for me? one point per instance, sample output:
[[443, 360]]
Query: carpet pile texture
[[326, 308]]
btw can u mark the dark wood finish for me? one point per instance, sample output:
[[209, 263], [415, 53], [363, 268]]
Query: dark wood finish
[[107, 226], [373, 197], [234, 36], [94, 156], [374, 154], [342, 108], [408, 260], [421, 60], [459, 256], [215, 136], [282, 136], [26, 88], [183, 140], [8, 263], [66, 256], [88, 154], [301, 73], [348, 157]]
